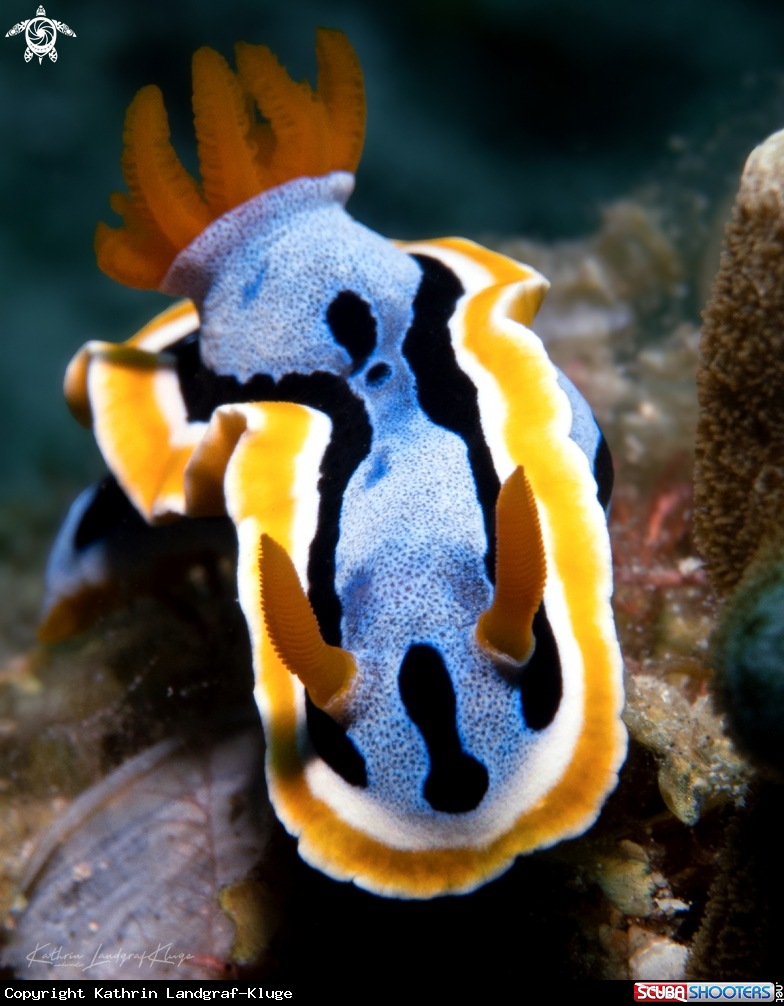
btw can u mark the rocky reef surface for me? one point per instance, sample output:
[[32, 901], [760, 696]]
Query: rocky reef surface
[[132, 809]]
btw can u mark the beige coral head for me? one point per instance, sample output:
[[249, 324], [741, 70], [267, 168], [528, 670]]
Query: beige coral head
[[764, 170], [739, 472], [301, 133]]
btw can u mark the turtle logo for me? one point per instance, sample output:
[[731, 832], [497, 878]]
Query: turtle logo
[[40, 32]]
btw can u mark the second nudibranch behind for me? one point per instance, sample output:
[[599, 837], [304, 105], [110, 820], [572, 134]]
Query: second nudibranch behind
[[419, 494]]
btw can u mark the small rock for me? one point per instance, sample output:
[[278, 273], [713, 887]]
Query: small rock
[[659, 960]]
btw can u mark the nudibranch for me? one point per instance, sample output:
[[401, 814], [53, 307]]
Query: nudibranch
[[419, 495]]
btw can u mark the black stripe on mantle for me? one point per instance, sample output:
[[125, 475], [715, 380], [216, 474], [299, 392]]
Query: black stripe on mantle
[[446, 393], [203, 391]]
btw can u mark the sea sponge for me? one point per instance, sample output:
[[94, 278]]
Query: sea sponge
[[739, 472]]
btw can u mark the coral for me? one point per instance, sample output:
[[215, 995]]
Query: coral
[[739, 472], [699, 767], [748, 657], [741, 932]]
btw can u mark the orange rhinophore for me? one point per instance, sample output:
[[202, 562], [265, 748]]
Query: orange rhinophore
[[520, 573], [326, 671]]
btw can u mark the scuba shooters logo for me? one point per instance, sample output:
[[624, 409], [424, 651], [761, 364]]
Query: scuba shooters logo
[[705, 991], [41, 34]]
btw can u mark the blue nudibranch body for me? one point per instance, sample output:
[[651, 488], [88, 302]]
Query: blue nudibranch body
[[419, 497]]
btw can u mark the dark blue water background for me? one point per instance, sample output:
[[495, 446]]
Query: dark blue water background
[[484, 118]]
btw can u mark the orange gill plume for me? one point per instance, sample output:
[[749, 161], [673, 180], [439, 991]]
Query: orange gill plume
[[306, 133], [326, 671], [505, 629]]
